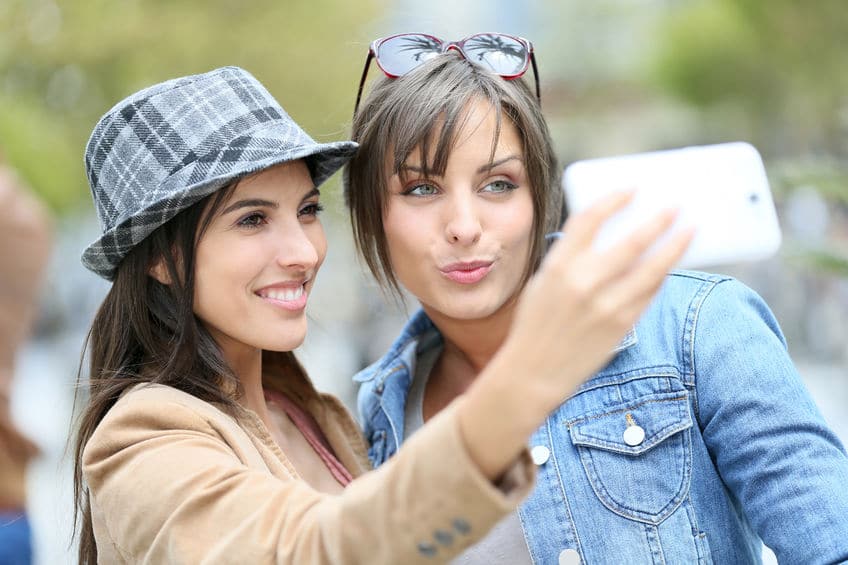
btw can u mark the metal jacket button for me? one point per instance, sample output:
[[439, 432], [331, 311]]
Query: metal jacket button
[[540, 454], [569, 557], [633, 434]]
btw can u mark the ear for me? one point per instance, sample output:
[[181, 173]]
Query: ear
[[159, 271]]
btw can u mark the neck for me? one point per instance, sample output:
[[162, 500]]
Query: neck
[[473, 342], [469, 346], [247, 366]]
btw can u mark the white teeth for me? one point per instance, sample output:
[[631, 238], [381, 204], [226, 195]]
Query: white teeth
[[284, 294]]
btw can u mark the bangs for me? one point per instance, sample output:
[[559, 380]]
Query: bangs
[[429, 114]]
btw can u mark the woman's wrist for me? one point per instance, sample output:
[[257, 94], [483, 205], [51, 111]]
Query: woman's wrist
[[496, 419]]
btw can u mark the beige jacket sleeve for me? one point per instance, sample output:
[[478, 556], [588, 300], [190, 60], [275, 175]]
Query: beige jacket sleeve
[[169, 483]]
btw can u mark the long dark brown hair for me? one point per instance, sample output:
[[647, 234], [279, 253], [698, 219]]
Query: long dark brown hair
[[146, 332], [424, 111]]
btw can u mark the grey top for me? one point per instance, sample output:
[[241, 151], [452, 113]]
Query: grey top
[[505, 542]]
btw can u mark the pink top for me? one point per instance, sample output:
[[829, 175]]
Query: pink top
[[313, 434]]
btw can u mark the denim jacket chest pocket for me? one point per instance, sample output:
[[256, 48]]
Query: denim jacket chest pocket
[[637, 454]]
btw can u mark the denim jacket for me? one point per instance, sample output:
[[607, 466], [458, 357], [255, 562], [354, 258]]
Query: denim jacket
[[696, 442]]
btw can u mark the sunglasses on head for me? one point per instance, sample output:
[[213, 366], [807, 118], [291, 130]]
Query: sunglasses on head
[[504, 55]]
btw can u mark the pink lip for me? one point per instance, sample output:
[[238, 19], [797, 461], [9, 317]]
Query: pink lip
[[467, 273]]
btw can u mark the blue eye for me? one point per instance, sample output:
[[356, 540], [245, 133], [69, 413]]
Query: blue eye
[[312, 209], [422, 190], [499, 186], [253, 220]]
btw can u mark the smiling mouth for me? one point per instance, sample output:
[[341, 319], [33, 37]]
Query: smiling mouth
[[289, 298]]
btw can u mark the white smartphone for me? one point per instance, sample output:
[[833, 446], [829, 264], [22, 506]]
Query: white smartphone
[[720, 190]]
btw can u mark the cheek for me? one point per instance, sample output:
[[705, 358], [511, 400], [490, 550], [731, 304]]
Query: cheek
[[219, 270], [318, 239], [516, 221], [396, 228], [407, 236], [210, 280], [517, 232]]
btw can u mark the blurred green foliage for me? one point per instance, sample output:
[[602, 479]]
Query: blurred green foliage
[[64, 63], [781, 62]]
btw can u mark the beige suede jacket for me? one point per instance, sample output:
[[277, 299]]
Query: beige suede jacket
[[173, 479]]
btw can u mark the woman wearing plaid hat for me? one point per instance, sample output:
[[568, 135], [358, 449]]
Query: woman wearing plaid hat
[[203, 439], [695, 442]]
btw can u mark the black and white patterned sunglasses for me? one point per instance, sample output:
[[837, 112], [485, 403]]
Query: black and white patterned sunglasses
[[506, 55]]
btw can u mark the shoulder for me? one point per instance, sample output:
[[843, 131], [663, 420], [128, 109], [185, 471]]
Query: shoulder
[[388, 379], [705, 298], [685, 295], [164, 402], [713, 316], [150, 411], [696, 310], [400, 353], [686, 287]]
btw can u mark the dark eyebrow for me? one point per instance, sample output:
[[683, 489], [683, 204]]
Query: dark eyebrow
[[489, 166], [485, 168], [262, 203], [250, 203]]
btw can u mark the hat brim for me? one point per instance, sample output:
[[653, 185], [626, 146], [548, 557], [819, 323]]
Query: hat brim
[[105, 254]]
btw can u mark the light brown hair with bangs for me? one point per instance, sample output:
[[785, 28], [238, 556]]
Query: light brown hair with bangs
[[424, 111]]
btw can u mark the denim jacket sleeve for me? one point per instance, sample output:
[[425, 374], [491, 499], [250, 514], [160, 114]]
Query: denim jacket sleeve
[[769, 442]]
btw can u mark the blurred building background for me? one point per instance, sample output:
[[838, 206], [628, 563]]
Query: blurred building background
[[617, 76]]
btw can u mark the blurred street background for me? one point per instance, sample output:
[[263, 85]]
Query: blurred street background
[[617, 76]]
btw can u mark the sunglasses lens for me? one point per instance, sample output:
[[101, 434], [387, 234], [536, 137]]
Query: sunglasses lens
[[501, 54], [400, 54]]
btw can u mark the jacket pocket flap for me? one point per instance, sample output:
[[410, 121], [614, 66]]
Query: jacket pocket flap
[[656, 417]]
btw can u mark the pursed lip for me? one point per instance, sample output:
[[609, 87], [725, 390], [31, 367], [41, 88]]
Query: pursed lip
[[289, 295], [466, 272]]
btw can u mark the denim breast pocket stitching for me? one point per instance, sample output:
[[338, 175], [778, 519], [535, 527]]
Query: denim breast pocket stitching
[[590, 451], [627, 511], [656, 438], [626, 408]]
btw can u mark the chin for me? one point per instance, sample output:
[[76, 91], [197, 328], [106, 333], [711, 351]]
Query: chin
[[282, 339], [463, 310], [281, 345]]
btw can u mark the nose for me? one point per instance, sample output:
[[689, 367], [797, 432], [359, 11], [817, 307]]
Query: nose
[[462, 226], [297, 250]]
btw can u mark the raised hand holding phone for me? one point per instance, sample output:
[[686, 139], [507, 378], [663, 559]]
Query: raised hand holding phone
[[570, 316]]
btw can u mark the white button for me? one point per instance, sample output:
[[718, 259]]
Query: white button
[[569, 557], [634, 435], [540, 454]]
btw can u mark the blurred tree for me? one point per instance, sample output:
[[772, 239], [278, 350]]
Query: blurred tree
[[780, 61], [776, 69], [62, 64]]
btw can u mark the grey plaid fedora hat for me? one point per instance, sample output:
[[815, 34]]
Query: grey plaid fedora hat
[[166, 147]]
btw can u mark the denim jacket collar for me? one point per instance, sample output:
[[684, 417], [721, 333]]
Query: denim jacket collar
[[384, 386]]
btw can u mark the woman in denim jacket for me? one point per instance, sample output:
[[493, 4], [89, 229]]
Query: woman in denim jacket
[[695, 444]]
